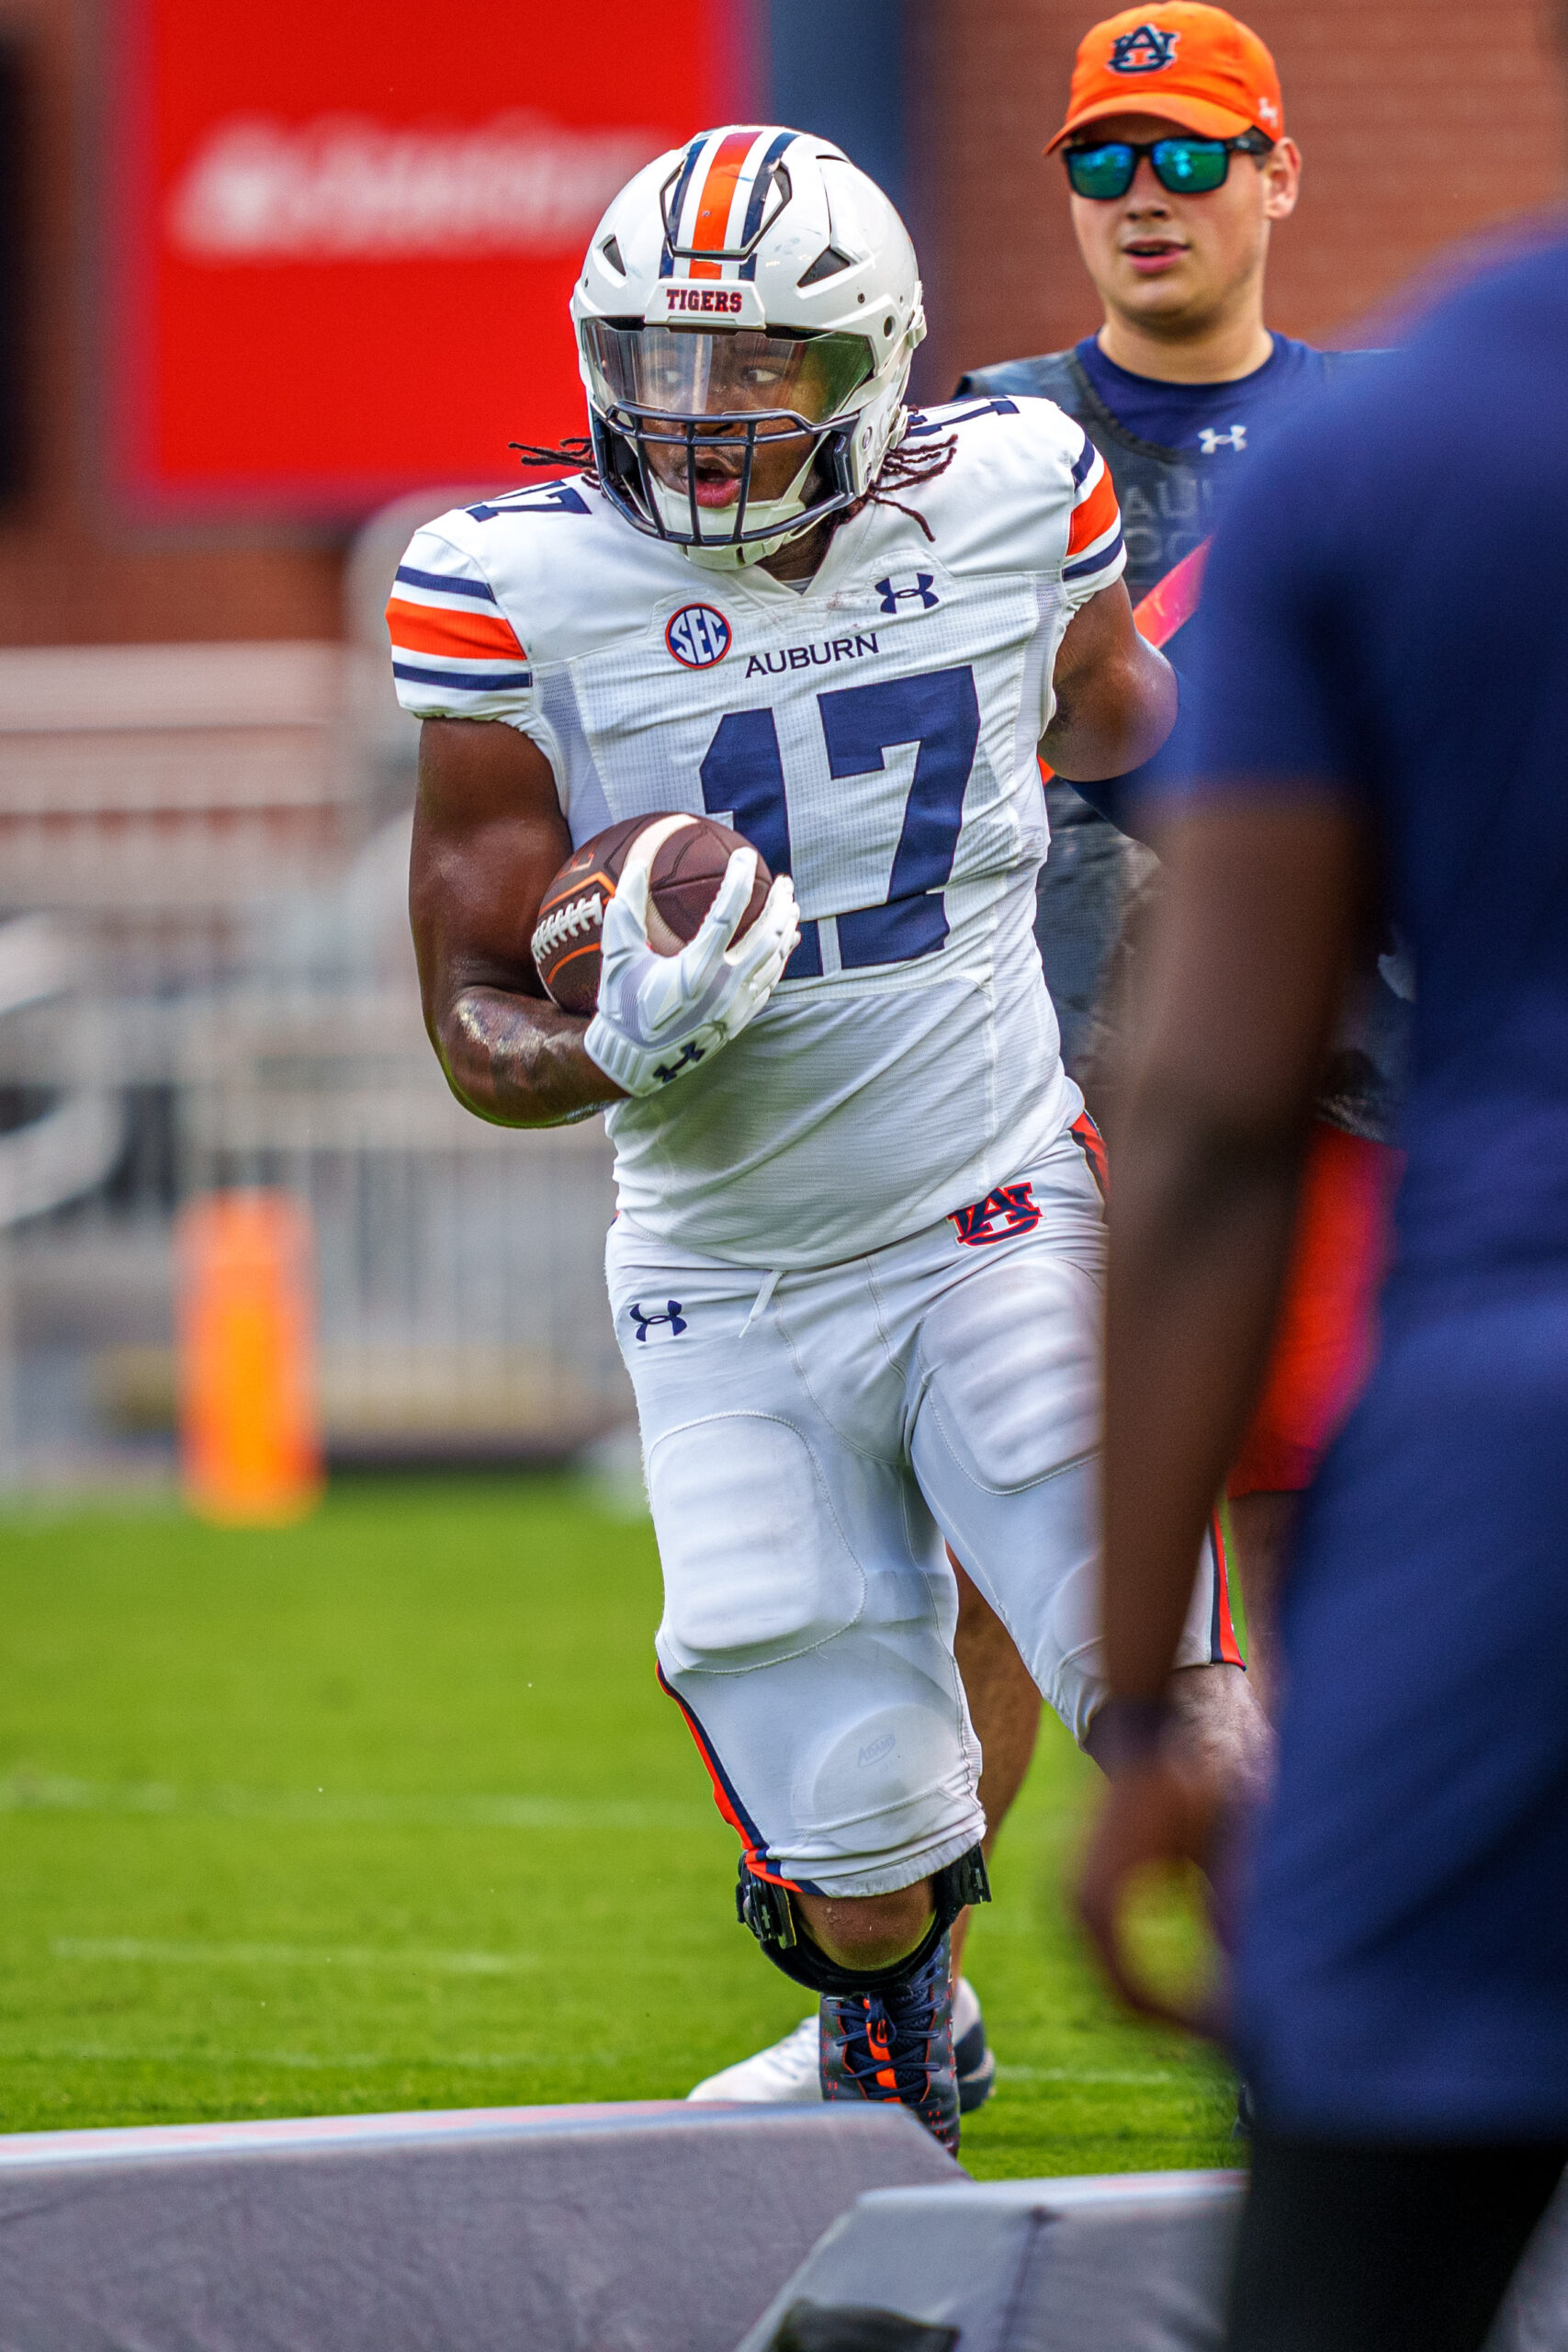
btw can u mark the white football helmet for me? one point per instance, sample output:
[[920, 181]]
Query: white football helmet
[[748, 288]]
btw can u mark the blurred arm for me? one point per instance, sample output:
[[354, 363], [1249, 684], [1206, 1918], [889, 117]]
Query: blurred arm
[[1115, 695], [1137, 803], [1262, 903], [1264, 898], [489, 838]]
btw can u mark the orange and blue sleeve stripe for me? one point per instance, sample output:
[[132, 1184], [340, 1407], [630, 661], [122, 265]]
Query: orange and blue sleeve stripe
[[1094, 534], [453, 646]]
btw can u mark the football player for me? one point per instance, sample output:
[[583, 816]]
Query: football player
[[857, 1266]]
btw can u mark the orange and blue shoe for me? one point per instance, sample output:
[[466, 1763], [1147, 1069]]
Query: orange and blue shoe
[[896, 2046]]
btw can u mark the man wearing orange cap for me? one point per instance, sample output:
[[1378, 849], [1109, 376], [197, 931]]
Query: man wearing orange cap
[[1179, 167]]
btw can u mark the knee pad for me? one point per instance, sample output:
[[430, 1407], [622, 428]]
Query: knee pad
[[769, 1911]]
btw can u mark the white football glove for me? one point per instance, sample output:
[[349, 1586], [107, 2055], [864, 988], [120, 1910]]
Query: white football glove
[[660, 1015]]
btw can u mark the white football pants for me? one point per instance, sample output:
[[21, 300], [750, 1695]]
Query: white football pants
[[809, 1439]]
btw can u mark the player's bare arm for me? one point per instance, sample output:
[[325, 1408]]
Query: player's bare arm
[[488, 836], [1116, 698]]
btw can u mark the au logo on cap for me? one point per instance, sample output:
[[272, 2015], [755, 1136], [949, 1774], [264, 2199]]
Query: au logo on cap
[[1147, 48]]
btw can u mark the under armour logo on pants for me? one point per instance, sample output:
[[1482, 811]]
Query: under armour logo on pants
[[673, 1317]]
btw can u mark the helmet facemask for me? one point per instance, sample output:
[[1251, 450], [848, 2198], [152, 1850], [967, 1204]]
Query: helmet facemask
[[725, 441]]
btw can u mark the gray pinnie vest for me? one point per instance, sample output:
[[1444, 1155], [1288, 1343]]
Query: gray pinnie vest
[[1168, 501]]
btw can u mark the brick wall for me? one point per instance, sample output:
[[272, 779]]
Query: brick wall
[[1380, 94], [71, 573], [1419, 125]]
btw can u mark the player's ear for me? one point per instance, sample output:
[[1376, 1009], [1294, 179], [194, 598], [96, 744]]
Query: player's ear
[[1281, 171]]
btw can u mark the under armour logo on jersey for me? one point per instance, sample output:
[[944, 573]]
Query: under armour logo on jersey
[[921, 587], [665, 1071], [668, 1326], [1145, 50], [1010, 1209], [1209, 439]]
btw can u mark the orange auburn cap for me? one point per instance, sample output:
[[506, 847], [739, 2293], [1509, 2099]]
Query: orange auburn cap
[[1194, 64]]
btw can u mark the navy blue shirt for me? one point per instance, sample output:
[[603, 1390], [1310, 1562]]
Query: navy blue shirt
[[1218, 422], [1386, 621]]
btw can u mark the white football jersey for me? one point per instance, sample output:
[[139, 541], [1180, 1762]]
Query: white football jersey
[[874, 736]]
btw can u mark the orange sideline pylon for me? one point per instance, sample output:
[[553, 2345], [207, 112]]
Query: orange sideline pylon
[[249, 1419]]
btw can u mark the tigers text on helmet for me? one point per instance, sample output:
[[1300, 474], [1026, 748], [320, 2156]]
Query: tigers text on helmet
[[745, 321]]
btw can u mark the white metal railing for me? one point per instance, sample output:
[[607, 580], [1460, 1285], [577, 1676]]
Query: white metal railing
[[209, 982]]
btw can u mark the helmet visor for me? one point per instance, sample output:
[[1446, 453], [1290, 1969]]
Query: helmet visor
[[730, 371]]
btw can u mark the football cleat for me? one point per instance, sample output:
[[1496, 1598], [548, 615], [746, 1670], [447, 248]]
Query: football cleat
[[973, 2060], [896, 2046], [786, 2073]]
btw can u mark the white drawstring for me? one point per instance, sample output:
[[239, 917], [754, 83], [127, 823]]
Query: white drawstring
[[759, 1304]]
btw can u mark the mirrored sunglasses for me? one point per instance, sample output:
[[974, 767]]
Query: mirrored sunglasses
[[1184, 166]]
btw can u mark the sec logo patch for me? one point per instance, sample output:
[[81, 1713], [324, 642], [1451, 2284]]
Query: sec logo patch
[[698, 636]]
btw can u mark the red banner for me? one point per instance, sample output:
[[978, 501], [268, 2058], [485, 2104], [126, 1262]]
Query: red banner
[[344, 231]]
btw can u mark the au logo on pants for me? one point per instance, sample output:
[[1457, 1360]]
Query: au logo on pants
[[1010, 1209]]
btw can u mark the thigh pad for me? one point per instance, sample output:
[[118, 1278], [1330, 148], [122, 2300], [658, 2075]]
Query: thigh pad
[[756, 1567], [1012, 1369]]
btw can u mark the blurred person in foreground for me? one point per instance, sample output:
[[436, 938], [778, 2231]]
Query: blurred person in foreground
[[1401, 1990]]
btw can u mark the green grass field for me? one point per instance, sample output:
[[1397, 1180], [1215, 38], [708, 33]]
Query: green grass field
[[388, 1811]]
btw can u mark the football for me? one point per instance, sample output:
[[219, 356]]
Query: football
[[690, 854]]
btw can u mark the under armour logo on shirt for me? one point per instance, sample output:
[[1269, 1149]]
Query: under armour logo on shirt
[[668, 1326], [1209, 439], [921, 588]]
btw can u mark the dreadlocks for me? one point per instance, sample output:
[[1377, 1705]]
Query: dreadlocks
[[575, 454], [907, 469]]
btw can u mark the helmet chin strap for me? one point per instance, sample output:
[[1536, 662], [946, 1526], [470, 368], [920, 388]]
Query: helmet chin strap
[[787, 512], [737, 558]]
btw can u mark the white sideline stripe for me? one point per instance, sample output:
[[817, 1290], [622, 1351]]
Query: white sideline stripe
[[1084, 2074], [135, 1950], [471, 2062], [45, 1792], [104, 2053]]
